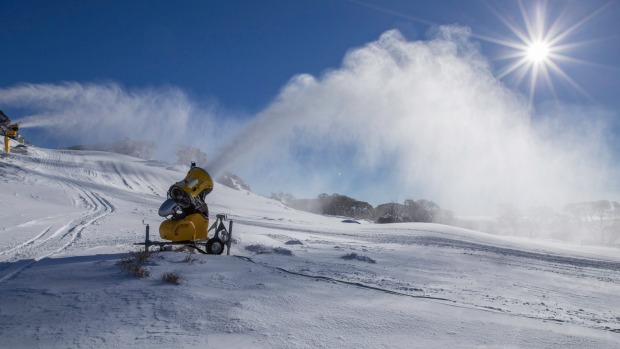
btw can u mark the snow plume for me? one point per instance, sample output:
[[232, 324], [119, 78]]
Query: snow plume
[[398, 120], [74, 113], [424, 119]]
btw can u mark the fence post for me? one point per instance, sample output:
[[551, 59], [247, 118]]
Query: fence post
[[147, 241], [229, 237]]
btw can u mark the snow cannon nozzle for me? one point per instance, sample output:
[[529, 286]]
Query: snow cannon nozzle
[[8, 129]]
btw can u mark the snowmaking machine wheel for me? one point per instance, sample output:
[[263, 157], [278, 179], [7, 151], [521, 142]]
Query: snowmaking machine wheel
[[215, 246]]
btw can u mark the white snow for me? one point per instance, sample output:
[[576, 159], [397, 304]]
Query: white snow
[[68, 217]]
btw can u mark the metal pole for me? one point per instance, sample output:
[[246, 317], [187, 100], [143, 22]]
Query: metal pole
[[147, 242], [7, 144], [229, 238]]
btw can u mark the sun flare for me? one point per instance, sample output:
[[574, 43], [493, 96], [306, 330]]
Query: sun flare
[[540, 46], [538, 52]]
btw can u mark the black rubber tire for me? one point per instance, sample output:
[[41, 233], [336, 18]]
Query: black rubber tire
[[215, 246]]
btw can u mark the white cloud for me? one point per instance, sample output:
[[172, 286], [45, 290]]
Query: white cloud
[[397, 120], [434, 119]]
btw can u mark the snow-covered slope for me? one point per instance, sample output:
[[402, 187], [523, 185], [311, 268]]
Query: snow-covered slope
[[293, 280]]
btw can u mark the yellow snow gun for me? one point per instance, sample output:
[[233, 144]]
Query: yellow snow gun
[[187, 208], [8, 130], [187, 216]]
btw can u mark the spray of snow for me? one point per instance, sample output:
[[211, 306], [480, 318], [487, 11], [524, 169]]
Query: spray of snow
[[434, 114], [397, 120], [75, 113]]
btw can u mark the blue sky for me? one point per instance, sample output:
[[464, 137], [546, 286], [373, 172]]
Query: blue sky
[[242, 52], [233, 59]]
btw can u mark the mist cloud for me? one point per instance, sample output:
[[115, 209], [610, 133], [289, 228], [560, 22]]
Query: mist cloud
[[432, 117], [75, 113], [399, 119]]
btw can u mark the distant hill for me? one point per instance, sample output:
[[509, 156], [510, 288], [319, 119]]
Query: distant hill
[[232, 181]]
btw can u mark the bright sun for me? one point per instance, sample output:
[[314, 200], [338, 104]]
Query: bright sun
[[540, 46], [538, 52]]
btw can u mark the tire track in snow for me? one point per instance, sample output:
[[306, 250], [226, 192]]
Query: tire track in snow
[[53, 167], [66, 228], [29, 242], [100, 207]]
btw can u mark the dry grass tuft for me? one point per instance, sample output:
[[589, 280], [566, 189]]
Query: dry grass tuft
[[134, 264], [171, 278]]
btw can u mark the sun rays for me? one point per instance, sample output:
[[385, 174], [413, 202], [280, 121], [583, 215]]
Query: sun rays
[[540, 48], [542, 45]]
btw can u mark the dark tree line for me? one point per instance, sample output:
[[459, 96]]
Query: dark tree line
[[393, 212]]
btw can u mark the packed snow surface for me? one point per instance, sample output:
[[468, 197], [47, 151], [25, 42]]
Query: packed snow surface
[[292, 280]]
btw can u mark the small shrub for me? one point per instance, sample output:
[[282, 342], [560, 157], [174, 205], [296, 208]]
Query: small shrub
[[171, 277], [133, 264], [355, 256], [258, 248], [262, 249], [142, 257], [283, 251], [294, 242]]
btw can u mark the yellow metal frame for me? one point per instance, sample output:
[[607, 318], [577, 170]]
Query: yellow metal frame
[[193, 227]]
